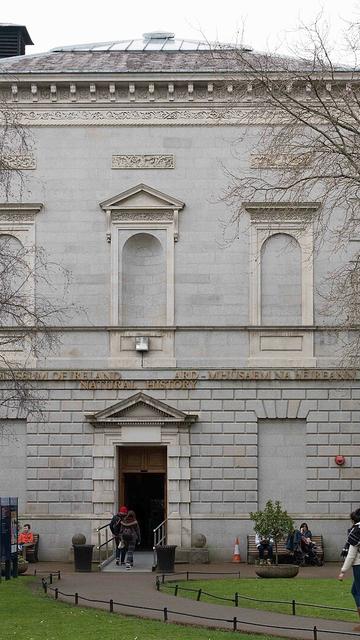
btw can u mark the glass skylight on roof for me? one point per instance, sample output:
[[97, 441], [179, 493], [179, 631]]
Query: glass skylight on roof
[[155, 41], [171, 45], [121, 46]]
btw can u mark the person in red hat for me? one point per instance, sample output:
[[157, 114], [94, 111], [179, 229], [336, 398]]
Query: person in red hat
[[115, 527]]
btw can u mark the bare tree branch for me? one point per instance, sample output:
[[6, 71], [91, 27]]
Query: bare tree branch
[[309, 150]]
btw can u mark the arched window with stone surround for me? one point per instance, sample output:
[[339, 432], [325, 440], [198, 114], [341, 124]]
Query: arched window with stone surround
[[281, 281], [143, 300]]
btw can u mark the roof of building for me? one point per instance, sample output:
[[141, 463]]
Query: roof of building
[[157, 52]]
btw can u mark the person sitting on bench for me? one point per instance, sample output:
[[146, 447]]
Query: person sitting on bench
[[264, 544], [25, 539]]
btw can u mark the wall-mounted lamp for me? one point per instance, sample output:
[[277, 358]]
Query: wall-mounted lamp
[[142, 344], [339, 460]]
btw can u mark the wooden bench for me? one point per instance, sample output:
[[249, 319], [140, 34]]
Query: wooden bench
[[31, 551], [253, 553]]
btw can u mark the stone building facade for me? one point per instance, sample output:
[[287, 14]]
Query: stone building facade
[[239, 395]]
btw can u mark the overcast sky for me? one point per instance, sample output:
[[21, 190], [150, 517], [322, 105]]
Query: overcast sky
[[268, 24]]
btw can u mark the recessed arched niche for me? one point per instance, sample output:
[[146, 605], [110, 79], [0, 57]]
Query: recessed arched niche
[[142, 229], [143, 281], [14, 278], [17, 264], [281, 281]]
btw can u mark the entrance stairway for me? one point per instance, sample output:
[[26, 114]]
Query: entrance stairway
[[143, 562]]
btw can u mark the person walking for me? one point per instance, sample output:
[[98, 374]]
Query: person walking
[[130, 534], [115, 528], [353, 560]]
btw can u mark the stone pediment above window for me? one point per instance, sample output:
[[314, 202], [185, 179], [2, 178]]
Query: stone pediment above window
[[19, 211], [140, 409], [141, 206]]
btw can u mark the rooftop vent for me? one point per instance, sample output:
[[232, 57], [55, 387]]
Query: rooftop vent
[[159, 35], [13, 39]]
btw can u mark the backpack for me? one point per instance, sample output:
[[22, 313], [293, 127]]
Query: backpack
[[115, 525], [127, 533]]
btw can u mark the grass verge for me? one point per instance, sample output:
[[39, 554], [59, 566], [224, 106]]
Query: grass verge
[[30, 615], [320, 591]]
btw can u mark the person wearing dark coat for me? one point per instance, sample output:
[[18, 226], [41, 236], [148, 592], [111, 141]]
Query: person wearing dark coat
[[306, 536], [130, 534], [115, 528], [352, 560]]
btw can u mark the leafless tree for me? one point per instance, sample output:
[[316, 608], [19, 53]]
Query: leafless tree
[[28, 313], [309, 150], [15, 142], [28, 277]]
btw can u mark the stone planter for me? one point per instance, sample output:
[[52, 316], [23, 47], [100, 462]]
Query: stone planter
[[22, 565], [277, 571]]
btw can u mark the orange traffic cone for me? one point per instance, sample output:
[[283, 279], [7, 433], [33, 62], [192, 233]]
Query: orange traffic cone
[[236, 555]]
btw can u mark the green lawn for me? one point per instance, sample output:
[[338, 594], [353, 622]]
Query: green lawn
[[325, 592], [26, 613]]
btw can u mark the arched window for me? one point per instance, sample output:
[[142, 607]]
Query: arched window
[[281, 286], [143, 271]]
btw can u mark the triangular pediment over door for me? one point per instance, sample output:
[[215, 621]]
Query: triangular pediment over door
[[142, 197], [140, 409]]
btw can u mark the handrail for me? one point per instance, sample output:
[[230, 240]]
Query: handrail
[[159, 538], [104, 543], [109, 543]]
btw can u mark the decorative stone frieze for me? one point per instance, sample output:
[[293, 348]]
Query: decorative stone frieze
[[143, 161], [279, 160], [142, 216], [18, 161], [157, 116]]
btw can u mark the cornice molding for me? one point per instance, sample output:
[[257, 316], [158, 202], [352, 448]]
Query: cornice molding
[[20, 208], [281, 212]]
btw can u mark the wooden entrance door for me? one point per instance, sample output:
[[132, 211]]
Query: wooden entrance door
[[142, 476]]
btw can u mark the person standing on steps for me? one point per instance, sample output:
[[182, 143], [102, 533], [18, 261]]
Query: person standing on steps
[[130, 534], [353, 560], [115, 527]]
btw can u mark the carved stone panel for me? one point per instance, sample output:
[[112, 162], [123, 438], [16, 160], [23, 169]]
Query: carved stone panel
[[143, 162], [279, 160], [19, 161]]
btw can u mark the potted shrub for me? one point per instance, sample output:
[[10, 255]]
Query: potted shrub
[[274, 521]]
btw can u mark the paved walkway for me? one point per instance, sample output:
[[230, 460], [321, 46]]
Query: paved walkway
[[131, 589]]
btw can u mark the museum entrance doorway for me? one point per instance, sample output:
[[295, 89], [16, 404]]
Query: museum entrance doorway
[[142, 476]]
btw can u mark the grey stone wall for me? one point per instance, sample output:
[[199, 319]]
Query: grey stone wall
[[13, 452], [65, 482]]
